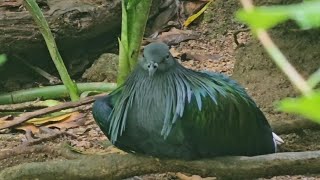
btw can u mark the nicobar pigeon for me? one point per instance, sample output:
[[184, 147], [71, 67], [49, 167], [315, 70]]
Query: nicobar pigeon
[[166, 110]]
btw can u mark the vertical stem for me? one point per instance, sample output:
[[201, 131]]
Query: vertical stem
[[38, 17], [134, 20], [138, 20], [124, 65]]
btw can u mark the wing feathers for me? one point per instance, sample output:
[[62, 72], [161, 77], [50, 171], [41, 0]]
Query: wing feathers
[[182, 86]]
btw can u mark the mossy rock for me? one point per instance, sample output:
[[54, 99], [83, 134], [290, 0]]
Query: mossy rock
[[105, 68]]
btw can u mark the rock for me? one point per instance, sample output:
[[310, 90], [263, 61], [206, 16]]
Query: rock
[[105, 68]]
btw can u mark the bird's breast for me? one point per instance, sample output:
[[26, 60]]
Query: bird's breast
[[149, 106]]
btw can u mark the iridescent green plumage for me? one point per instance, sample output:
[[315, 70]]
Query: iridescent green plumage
[[164, 109]]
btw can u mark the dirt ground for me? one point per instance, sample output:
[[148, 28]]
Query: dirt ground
[[214, 53], [89, 138]]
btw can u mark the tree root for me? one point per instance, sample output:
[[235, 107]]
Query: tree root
[[117, 166]]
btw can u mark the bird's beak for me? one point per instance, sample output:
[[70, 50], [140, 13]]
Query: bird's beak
[[152, 68]]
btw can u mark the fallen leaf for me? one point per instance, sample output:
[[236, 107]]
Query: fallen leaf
[[65, 121], [43, 120], [195, 16], [76, 119], [29, 127], [174, 36], [66, 125]]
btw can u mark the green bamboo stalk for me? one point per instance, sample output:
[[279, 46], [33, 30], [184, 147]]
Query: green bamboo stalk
[[40, 20], [124, 65], [135, 14], [51, 92], [138, 20]]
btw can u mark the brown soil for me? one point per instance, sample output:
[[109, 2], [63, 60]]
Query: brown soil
[[217, 43]]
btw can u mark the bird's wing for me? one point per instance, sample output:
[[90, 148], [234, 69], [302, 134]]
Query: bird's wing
[[102, 109], [215, 106]]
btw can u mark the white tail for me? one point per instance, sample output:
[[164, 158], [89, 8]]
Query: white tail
[[277, 141]]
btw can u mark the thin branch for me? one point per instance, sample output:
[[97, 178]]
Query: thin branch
[[278, 57], [26, 116], [50, 136], [22, 106], [52, 79]]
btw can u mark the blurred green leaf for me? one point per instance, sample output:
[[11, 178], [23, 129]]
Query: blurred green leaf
[[3, 59], [306, 106], [263, 17], [306, 14]]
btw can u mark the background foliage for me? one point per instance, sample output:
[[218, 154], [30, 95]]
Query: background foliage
[[306, 15]]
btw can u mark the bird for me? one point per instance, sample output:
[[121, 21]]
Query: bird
[[166, 110]]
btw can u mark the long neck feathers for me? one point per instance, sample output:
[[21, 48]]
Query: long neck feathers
[[177, 86]]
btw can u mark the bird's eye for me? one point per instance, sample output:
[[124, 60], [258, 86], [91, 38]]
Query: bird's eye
[[167, 56]]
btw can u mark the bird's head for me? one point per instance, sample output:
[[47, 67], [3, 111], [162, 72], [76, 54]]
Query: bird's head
[[156, 57]]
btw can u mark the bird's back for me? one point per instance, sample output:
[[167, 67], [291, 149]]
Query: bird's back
[[233, 126]]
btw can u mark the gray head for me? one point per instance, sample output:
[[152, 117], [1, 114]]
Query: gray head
[[156, 57]]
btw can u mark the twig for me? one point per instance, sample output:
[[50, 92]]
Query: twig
[[235, 35], [50, 136], [52, 79], [22, 106], [119, 166], [26, 116], [277, 56]]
